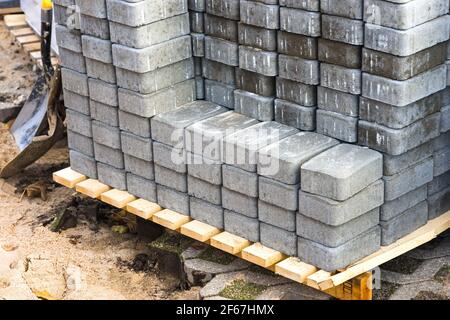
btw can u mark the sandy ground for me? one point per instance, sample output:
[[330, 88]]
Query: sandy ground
[[79, 263]]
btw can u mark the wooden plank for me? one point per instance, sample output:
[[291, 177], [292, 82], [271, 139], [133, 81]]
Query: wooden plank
[[4, 11], [34, 46], [22, 32], [294, 269], [117, 198], [359, 288], [15, 21], [229, 243], [170, 219], [28, 39], [35, 55], [199, 231], [143, 208], [261, 255], [316, 278], [68, 177], [92, 188]]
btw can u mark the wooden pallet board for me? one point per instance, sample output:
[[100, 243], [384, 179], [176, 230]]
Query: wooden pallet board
[[352, 283], [5, 11], [91, 188], [23, 40], [15, 21], [22, 32]]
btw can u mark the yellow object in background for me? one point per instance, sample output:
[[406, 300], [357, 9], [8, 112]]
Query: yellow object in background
[[47, 5]]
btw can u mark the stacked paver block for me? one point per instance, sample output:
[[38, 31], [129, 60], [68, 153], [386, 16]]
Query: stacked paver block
[[404, 75], [197, 10], [296, 85], [340, 69]]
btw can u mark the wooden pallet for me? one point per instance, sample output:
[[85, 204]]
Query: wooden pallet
[[5, 11], [353, 283]]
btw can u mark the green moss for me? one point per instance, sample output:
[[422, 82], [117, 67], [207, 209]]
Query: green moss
[[171, 242], [217, 256], [242, 290]]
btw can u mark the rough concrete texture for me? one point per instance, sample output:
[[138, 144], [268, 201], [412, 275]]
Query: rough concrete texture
[[169, 157], [140, 167], [172, 199], [204, 190], [393, 208], [207, 212], [110, 156], [242, 226], [240, 180], [111, 176], [171, 179], [84, 164], [239, 202], [278, 193], [278, 239], [439, 203], [295, 115], [142, 188], [276, 216]]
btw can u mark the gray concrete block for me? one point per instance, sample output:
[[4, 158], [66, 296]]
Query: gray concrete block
[[395, 164], [339, 53], [94, 8], [408, 179], [335, 236], [228, 9], [343, 29], [79, 123], [331, 259], [310, 5], [198, 44], [352, 9], [259, 14], [101, 71], [111, 176], [110, 156], [439, 183], [221, 27], [296, 92], [340, 78], [171, 179], [404, 224], [300, 22], [438, 203], [445, 118], [169, 157], [297, 45], [336, 101], [219, 93], [338, 126], [136, 146], [106, 135], [200, 88], [341, 172], [279, 194], [80, 143], [222, 51], [240, 203], [205, 169], [276, 216], [198, 62], [197, 21], [335, 213], [219, 72], [103, 92], [68, 38], [104, 113], [299, 69], [278, 239], [141, 187], [66, 15], [137, 125], [197, 5], [255, 83], [295, 115], [206, 212], [72, 60], [253, 105], [441, 160], [75, 82], [97, 49], [83, 164], [142, 168], [391, 209], [204, 190], [242, 226], [256, 60], [239, 180], [96, 27], [442, 141], [76, 102], [173, 200], [256, 37]]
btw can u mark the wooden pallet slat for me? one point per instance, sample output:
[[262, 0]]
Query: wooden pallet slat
[[92, 188], [22, 32], [170, 219], [199, 231], [5, 11], [22, 40], [15, 21], [117, 198], [143, 208], [261, 255], [294, 269], [229, 243], [30, 47], [68, 177]]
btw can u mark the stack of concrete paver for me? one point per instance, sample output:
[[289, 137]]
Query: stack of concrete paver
[[374, 72]]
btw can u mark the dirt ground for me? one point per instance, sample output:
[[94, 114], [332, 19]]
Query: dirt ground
[[83, 262]]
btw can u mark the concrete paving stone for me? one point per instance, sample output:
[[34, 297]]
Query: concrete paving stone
[[259, 61], [404, 224], [441, 161], [399, 117], [335, 236], [154, 57], [332, 100], [173, 200], [448, 73], [150, 34], [168, 127], [299, 69], [402, 93], [206, 135], [144, 169], [442, 141], [240, 148], [204, 169], [197, 5], [140, 13], [352, 9], [94, 8], [72, 60], [76, 102], [404, 15], [340, 78], [332, 259], [342, 29], [207, 212], [198, 44], [197, 21], [439, 183], [79, 123], [296, 92], [339, 53], [204, 190], [338, 126], [83, 164], [255, 83], [278, 239], [101, 71], [257, 37], [198, 66], [159, 79], [279, 194], [136, 146], [403, 68], [148, 105], [297, 45], [242, 226], [259, 14], [137, 125], [222, 51], [395, 164], [341, 172], [221, 27], [240, 180], [96, 27], [75, 81], [310, 5], [295, 115], [445, 118], [141, 187], [68, 38], [240, 203], [335, 213], [438, 203], [111, 176], [220, 72], [276, 216], [80, 143], [219, 93], [110, 156], [103, 92], [171, 179], [169, 157], [391, 209], [253, 105], [96, 48], [104, 113], [406, 42], [106, 135], [200, 88], [228, 9], [283, 159], [300, 21], [408, 179], [398, 141], [64, 15]]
